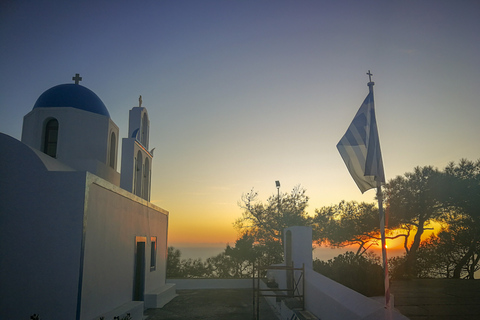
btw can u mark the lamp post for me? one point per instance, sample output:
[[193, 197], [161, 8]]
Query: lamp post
[[277, 184]]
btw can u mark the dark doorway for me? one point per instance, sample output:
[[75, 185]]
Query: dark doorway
[[139, 278]]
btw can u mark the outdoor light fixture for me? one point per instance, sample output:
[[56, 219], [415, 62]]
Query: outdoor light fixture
[[277, 184]]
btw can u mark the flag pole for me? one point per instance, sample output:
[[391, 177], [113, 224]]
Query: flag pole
[[384, 247], [360, 150], [381, 214]]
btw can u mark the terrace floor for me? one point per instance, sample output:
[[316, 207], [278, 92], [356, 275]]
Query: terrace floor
[[437, 299], [420, 299], [210, 304]]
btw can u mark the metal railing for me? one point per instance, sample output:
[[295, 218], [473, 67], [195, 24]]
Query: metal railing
[[293, 290]]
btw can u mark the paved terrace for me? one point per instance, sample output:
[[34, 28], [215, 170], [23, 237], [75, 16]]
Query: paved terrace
[[438, 299], [425, 299], [211, 304]]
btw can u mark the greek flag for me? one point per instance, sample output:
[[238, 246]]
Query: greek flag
[[360, 148]]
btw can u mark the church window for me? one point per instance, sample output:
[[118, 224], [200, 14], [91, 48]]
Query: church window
[[153, 253], [144, 133], [113, 143], [134, 175], [146, 180], [51, 138], [138, 174]]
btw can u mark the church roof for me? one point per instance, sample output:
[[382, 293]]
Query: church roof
[[71, 95]]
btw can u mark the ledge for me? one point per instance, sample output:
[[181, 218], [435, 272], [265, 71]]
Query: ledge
[[160, 297]]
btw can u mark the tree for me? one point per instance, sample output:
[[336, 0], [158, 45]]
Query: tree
[[412, 206], [185, 268], [439, 255], [460, 189], [348, 223], [265, 222], [237, 261], [234, 262], [174, 269], [195, 268]]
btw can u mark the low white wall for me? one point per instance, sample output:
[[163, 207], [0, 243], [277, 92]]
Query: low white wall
[[329, 300], [185, 284]]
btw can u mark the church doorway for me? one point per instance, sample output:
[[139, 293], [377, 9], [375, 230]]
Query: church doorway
[[139, 277]]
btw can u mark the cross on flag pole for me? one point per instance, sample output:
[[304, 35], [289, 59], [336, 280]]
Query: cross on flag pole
[[360, 150]]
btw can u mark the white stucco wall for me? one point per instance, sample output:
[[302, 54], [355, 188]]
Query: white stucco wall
[[130, 149], [81, 146], [301, 243], [128, 164], [114, 218], [41, 214], [136, 116], [48, 217], [330, 300]]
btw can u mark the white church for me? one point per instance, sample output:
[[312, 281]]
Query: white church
[[78, 239]]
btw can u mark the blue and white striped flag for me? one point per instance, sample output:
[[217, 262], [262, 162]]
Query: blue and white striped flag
[[360, 148]]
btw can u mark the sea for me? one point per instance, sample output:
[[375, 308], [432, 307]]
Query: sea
[[206, 251]]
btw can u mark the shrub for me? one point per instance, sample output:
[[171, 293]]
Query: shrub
[[359, 273]]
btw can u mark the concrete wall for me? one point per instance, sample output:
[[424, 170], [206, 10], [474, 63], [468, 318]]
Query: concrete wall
[[41, 215], [128, 164], [78, 144], [131, 179], [330, 300], [325, 298], [51, 221], [301, 246], [182, 284], [114, 218], [136, 118]]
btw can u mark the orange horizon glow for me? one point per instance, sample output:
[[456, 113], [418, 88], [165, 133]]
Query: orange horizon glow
[[196, 231]]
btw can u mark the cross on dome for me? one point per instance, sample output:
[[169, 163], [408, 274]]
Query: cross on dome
[[77, 78]]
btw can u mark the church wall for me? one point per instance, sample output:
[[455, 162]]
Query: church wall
[[138, 120], [41, 217], [114, 218], [132, 180], [83, 137], [128, 163]]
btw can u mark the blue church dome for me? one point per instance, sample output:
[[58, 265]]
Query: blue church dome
[[72, 95]]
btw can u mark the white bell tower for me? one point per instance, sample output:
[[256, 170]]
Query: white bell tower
[[136, 159]]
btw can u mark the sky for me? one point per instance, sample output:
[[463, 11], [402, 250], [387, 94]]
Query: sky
[[243, 93]]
